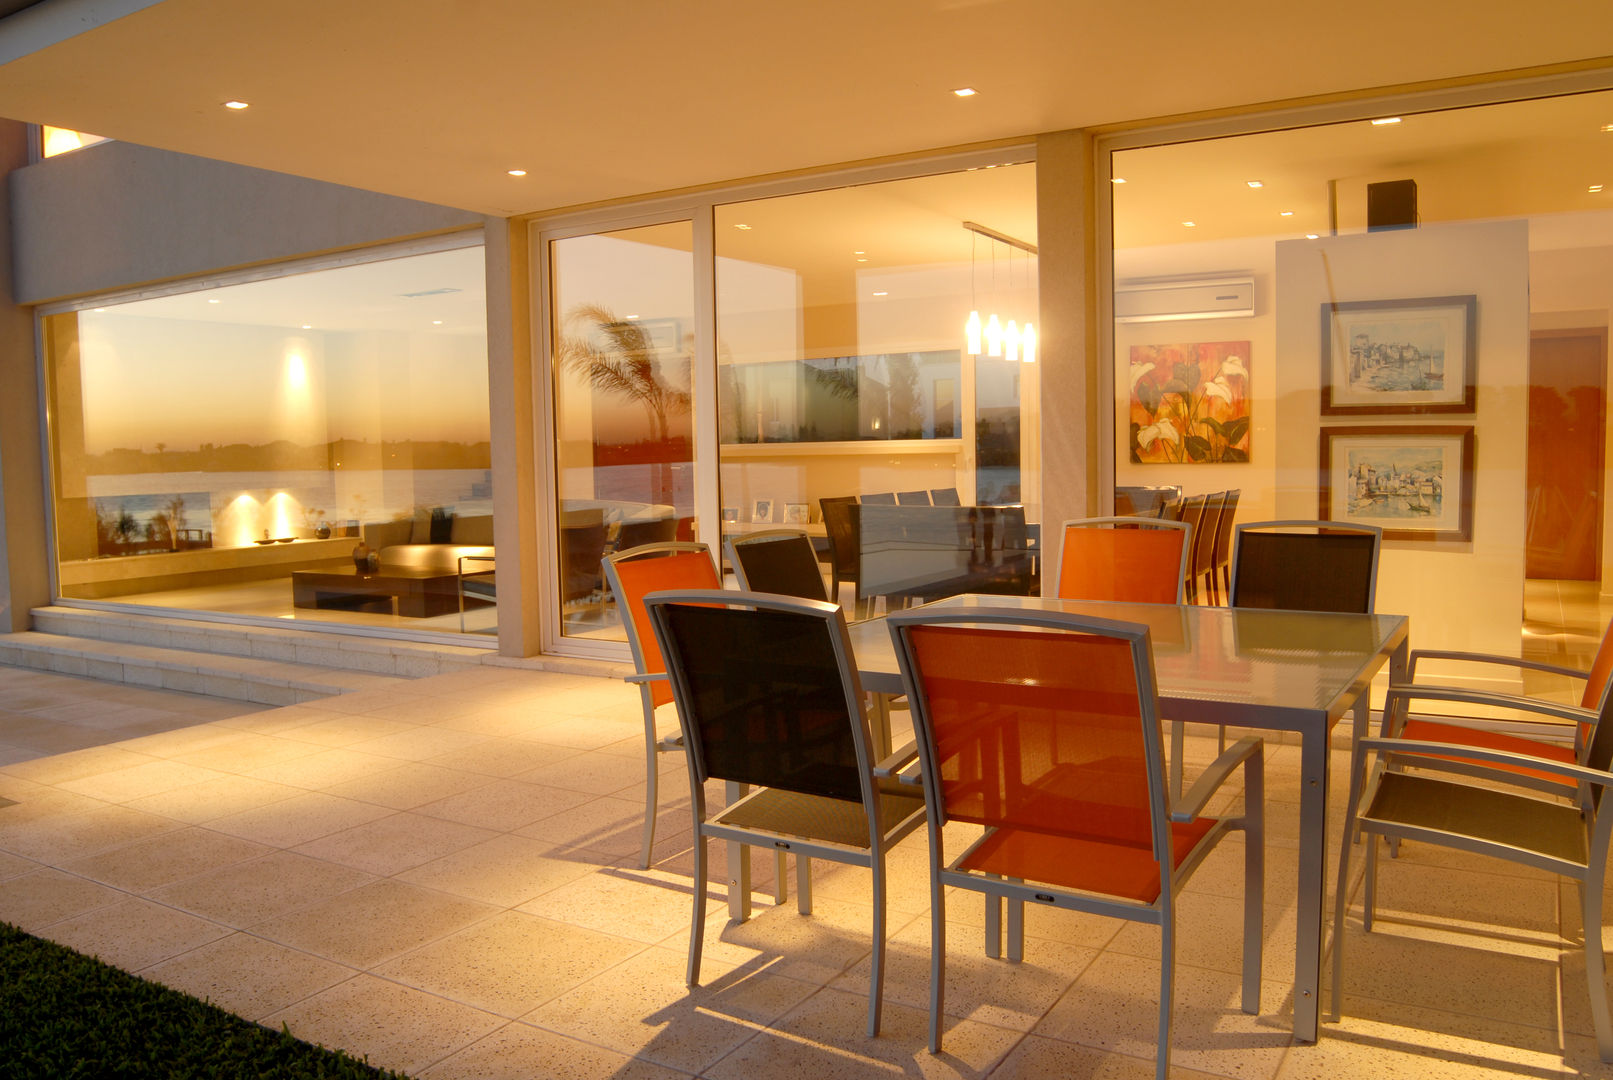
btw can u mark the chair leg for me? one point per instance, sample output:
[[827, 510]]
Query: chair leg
[[1595, 974], [938, 947], [697, 931], [994, 926], [1254, 880], [1178, 741], [652, 770], [781, 878], [803, 884], [1167, 968], [1016, 930], [1369, 885], [876, 968]]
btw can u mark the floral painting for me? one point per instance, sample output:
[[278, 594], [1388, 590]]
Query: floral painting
[[1190, 403]]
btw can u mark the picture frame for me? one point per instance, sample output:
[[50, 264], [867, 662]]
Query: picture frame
[[1190, 403], [1395, 357], [797, 514], [730, 515], [762, 511], [1414, 482]]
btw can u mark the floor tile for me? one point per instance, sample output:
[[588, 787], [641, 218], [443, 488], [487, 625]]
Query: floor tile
[[297, 820], [145, 865], [520, 1051], [249, 893], [395, 843], [134, 934], [369, 924], [247, 975], [33, 900], [505, 871]]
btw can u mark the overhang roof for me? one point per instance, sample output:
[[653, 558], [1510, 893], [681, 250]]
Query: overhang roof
[[438, 99]]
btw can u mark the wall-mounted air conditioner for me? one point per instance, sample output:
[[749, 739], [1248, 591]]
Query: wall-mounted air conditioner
[[1170, 300]]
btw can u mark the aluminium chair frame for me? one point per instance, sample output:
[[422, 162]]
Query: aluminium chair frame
[[1247, 752], [654, 746], [803, 846]]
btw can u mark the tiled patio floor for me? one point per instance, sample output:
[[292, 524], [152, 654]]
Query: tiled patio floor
[[444, 879]]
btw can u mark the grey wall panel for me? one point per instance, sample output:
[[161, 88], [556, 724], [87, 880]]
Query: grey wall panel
[[116, 215]]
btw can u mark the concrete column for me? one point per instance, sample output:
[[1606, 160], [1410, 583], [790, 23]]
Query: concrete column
[[511, 393], [24, 555], [1066, 235]]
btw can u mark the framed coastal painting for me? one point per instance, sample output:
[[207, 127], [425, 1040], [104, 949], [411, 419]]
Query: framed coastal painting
[[1415, 483], [1190, 403], [1386, 357]]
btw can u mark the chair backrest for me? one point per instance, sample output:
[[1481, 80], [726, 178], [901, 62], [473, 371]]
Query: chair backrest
[[1222, 554], [945, 497], [912, 498], [581, 548], [778, 561], [1601, 673], [1041, 721], [883, 498], [637, 572], [842, 523], [1306, 566], [766, 691], [1135, 560], [1204, 534]]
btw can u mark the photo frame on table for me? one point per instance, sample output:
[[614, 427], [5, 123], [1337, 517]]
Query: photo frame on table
[[1413, 482], [1391, 357], [797, 514], [762, 511]]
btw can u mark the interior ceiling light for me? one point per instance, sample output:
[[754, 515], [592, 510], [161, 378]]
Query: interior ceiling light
[[1594, 188], [859, 252], [1255, 183], [1191, 224], [307, 326], [1385, 120], [862, 260], [1285, 213], [743, 226], [882, 293], [517, 172], [1607, 127], [1117, 180], [1310, 236], [965, 91], [212, 301], [436, 322], [632, 316], [236, 105]]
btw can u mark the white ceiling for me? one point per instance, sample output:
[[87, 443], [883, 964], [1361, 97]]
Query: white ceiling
[[436, 99]]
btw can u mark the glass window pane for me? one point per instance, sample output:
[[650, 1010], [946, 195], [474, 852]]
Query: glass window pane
[[623, 318], [228, 449]]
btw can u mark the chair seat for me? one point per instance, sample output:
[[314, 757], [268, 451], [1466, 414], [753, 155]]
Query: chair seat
[[815, 817], [1418, 802], [1085, 863], [1434, 731]]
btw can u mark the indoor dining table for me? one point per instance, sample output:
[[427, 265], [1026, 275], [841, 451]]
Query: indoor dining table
[[1277, 670]]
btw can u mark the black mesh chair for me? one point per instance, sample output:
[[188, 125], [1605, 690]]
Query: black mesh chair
[[912, 498], [632, 534], [883, 498], [842, 521], [778, 561], [768, 696], [944, 497], [1305, 566]]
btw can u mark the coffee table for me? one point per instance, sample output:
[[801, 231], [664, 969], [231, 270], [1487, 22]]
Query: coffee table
[[409, 592]]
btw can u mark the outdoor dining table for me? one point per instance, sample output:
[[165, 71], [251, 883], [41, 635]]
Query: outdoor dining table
[[1277, 670]]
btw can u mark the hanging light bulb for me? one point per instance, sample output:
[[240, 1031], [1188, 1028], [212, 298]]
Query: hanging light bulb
[[1011, 342], [994, 336], [971, 328], [1027, 344], [971, 331]]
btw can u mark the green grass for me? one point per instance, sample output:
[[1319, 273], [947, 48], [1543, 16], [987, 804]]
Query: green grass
[[67, 1015]]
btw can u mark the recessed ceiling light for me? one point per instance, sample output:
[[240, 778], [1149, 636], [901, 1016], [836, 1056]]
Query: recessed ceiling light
[[859, 252], [212, 301], [1191, 224], [436, 322], [1117, 180], [743, 226], [1594, 188], [1285, 213], [1254, 183], [307, 326], [965, 91], [100, 309], [1310, 236], [1607, 127], [632, 316], [236, 105], [862, 260], [882, 293], [1384, 120], [517, 172]]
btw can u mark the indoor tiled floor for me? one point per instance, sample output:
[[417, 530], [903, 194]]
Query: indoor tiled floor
[[445, 880]]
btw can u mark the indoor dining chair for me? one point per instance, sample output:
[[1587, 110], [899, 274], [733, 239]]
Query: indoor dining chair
[[1191, 511], [1403, 797], [1042, 728], [778, 561], [768, 697], [1129, 559], [1221, 556], [842, 521], [913, 498], [1305, 566], [1201, 572], [632, 575]]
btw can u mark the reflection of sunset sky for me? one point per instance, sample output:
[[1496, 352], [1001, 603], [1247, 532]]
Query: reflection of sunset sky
[[190, 382]]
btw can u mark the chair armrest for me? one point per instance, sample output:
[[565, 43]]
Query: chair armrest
[[1192, 803], [1409, 693], [900, 765], [1429, 755], [659, 676], [1489, 658]]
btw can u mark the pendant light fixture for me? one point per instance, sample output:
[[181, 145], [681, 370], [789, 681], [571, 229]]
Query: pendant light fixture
[[1014, 341], [971, 329]]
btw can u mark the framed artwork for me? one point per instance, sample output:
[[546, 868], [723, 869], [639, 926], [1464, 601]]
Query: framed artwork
[[797, 514], [762, 511], [1415, 483], [1190, 403], [730, 515], [1382, 357]]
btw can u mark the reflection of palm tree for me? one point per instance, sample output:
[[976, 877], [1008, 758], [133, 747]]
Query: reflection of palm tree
[[622, 365]]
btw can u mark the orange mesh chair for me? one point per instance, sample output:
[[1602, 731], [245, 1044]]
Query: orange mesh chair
[[1044, 728], [768, 698], [1135, 560], [632, 574], [1563, 729]]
